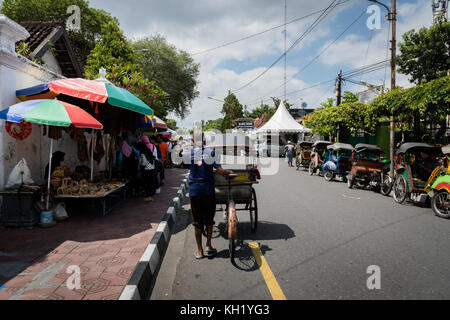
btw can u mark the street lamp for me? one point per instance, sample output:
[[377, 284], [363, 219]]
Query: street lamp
[[142, 50], [391, 17]]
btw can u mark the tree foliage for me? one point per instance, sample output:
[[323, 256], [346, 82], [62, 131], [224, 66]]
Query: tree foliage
[[429, 101], [173, 70], [231, 103], [425, 55], [92, 20], [354, 116], [171, 124], [115, 54]]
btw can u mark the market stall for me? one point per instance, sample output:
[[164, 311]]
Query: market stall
[[98, 146]]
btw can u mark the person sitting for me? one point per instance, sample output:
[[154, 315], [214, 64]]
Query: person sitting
[[57, 158], [425, 166]]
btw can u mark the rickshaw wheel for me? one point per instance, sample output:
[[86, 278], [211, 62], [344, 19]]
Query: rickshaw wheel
[[312, 168], [298, 162], [386, 186], [400, 189], [350, 182], [254, 212], [328, 175], [440, 204]]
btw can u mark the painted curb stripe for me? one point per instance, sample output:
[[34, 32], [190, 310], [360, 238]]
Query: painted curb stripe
[[271, 281], [160, 242], [139, 286], [130, 293], [142, 278]]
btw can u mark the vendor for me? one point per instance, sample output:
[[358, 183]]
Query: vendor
[[57, 158]]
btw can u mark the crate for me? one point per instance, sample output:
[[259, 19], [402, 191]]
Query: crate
[[17, 209]]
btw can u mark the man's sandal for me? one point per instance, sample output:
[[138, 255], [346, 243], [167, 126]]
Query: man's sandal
[[198, 257], [211, 253]]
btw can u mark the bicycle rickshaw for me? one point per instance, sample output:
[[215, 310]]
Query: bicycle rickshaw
[[438, 187], [337, 163], [319, 149], [304, 154], [369, 169], [414, 164], [236, 192]]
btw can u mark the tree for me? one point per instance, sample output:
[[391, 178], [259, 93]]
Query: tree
[[328, 103], [115, 54], [237, 111], [259, 111], [214, 125], [350, 97], [171, 124], [92, 20], [425, 55], [173, 70]]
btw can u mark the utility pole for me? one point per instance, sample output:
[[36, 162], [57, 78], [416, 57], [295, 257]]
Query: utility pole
[[229, 109], [285, 47], [339, 89], [392, 16], [339, 101], [393, 64]]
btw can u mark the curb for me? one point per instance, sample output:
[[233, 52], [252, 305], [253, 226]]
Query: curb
[[141, 282]]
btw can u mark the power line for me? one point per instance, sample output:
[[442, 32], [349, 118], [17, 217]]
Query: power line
[[348, 75], [322, 16], [320, 54], [265, 31]]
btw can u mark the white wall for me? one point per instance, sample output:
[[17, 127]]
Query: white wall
[[17, 72]]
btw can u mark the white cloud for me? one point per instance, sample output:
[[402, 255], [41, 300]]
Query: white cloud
[[197, 25]]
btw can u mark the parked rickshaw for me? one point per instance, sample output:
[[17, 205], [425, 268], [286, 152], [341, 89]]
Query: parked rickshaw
[[319, 152], [414, 164], [438, 187], [338, 161], [304, 154], [369, 169]]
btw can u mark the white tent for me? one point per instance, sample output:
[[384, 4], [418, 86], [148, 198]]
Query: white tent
[[282, 122]]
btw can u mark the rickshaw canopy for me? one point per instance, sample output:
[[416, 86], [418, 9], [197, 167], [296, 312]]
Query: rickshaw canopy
[[417, 146], [305, 144], [340, 147], [368, 148], [322, 144]]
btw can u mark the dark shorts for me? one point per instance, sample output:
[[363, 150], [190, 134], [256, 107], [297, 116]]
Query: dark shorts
[[203, 209]]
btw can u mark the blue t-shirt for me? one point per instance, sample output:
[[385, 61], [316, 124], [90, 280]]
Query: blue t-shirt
[[201, 177]]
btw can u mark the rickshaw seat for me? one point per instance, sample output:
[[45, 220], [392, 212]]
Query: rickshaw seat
[[369, 165], [237, 192]]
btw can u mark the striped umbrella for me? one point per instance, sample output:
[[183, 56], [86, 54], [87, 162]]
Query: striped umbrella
[[53, 113], [91, 90]]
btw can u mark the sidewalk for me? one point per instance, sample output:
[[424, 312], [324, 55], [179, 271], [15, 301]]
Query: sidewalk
[[33, 263]]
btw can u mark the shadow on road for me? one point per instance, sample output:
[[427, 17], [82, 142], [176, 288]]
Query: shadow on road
[[244, 259]]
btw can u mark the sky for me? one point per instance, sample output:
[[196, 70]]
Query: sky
[[198, 25]]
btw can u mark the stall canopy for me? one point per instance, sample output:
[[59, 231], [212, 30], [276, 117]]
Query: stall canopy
[[154, 123], [282, 122], [91, 90]]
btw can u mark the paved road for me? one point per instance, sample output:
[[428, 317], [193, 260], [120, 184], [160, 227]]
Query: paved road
[[318, 239]]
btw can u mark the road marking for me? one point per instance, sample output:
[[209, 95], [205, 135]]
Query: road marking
[[349, 197], [271, 281]]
